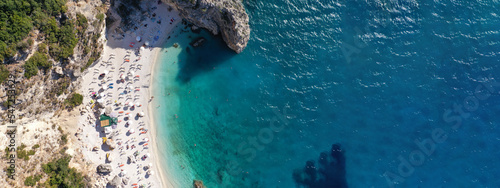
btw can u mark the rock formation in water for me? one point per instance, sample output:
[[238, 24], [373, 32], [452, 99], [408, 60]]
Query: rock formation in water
[[227, 17], [198, 184], [329, 173]]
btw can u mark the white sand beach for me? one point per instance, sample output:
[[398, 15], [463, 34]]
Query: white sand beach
[[123, 89]]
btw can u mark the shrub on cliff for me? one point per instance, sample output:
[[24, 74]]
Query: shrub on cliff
[[38, 60], [82, 23], [42, 48], [4, 73], [100, 17], [23, 154], [75, 100], [61, 175], [32, 180]]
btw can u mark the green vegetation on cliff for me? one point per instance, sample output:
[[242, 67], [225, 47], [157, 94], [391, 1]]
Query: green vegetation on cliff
[[61, 175], [4, 73], [19, 17], [75, 100], [35, 62], [81, 23], [61, 38], [32, 180], [23, 154]]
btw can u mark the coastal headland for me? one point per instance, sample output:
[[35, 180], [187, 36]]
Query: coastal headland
[[225, 17]]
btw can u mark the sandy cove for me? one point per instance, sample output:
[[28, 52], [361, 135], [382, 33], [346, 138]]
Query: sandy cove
[[119, 58]]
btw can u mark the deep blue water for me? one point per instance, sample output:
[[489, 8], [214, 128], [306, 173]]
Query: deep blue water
[[374, 77]]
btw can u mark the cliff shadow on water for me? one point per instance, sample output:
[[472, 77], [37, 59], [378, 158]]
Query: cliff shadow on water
[[204, 58], [330, 172]]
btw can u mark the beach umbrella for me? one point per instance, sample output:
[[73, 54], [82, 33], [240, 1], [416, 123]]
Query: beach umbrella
[[147, 43], [151, 173], [141, 113], [113, 114], [150, 165], [100, 100], [132, 72], [101, 94], [128, 116], [138, 38], [109, 156], [130, 104], [146, 139], [147, 155], [107, 130], [131, 131], [141, 48], [138, 104], [107, 110], [103, 87], [105, 72], [122, 76], [130, 123]]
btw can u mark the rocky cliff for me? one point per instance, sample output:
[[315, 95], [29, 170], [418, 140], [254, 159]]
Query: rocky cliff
[[227, 17]]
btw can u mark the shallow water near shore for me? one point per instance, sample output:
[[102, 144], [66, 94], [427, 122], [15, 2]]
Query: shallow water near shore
[[253, 119]]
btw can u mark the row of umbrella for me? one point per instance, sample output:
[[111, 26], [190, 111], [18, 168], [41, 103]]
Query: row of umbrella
[[138, 39]]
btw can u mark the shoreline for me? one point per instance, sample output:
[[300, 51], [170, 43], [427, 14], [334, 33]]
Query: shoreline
[[162, 169]]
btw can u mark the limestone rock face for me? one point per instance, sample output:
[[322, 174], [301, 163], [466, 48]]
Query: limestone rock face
[[225, 17]]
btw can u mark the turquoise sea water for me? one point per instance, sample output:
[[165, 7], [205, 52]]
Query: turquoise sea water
[[408, 89]]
